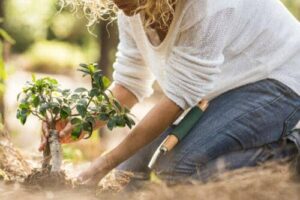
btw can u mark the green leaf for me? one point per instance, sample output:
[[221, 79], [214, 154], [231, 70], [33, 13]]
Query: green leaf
[[94, 92], [43, 108], [129, 122], [33, 78], [97, 80], [76, 121], [112, 112], [103, 117], [111, 124], [85, 72], [83, 102], [106, 82], [103, 108], [24, 105], [83, 65], [75, 96], [106, 97], [80, 90], [55, 110], [65, 112], [88, 127], [54, 105], [76, 131], [60, 101], [117, 104], [81, 109], [36, 101], [22, 115], [91, 68], [126, 110], [18, 96], [120, 121], [66, 92], [96, 65], [91, 120], [7, 37]]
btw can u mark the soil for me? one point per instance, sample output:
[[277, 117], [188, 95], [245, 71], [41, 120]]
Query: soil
[[272, 181], [45, 179]]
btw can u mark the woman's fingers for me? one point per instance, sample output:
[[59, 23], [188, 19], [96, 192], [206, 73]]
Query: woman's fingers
[[45, 131], [90, 178], [97, 170], [84, 176], [43, 143], [66, 134], [66, 131]]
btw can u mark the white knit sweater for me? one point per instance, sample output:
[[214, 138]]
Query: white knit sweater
[[212, 46]]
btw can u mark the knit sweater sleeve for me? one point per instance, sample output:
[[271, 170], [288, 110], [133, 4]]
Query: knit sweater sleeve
[[130, 70], [194, 62]]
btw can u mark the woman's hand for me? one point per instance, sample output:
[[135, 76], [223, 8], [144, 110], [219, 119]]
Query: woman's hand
[[95, 172], [64, 129], [161, 116]]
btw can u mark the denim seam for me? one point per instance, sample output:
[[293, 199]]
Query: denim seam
[[287, 123], [235, 119], [290, 91], [276, 99]]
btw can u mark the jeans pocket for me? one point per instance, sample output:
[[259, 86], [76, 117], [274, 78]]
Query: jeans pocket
[[291, 122]]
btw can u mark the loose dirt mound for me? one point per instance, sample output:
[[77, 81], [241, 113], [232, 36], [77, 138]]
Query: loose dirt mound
[[47, 180], [12, 164], [271, 181]]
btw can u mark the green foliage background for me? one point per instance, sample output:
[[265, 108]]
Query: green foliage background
[[43, 33]]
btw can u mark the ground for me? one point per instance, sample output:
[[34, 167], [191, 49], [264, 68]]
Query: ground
[[272, 181]]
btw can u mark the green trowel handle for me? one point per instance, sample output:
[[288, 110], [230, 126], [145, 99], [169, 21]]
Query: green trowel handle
[[189, 121]]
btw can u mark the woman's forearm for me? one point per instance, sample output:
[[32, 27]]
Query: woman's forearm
[[124, 96], [160, 117]]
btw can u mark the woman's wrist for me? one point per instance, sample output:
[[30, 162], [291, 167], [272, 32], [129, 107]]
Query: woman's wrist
[[104, 164]]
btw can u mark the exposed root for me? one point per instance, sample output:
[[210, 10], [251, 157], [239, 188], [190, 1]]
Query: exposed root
[[46, 179]]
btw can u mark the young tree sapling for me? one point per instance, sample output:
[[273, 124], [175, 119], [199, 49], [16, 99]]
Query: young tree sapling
[[44, 99]]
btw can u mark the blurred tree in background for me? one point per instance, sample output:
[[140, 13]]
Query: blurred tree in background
[[52, 41], [5, 42]]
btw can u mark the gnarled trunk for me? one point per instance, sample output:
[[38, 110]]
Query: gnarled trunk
[[53, 152], [55, 149]]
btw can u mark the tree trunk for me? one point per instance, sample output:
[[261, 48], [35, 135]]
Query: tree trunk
[[53, 152], [108, 41], [1, 8], [1, 63]]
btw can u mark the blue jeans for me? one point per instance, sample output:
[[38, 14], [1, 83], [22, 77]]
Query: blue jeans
[[242, 127]]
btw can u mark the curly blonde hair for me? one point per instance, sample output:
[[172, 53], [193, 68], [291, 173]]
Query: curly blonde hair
[[157, 11]]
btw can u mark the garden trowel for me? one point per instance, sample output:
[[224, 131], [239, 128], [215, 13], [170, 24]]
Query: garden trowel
[[179, 132]]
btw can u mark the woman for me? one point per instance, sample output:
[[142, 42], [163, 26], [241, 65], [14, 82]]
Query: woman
[[243, 56]]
